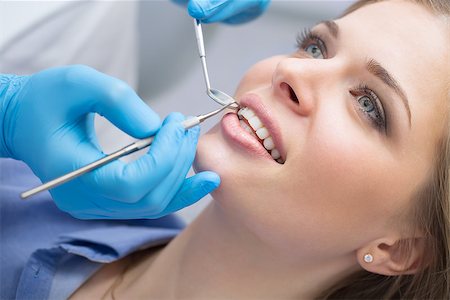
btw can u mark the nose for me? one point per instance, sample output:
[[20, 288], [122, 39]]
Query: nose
[[300, 83]]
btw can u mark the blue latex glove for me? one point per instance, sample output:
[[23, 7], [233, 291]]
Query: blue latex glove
[[226, 11], [47, 121]]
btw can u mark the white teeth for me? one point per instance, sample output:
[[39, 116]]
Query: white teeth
[[275, 154], [255, 122], [258, 131], [268, 143], [247, 113], [246, 127], [262, 133]]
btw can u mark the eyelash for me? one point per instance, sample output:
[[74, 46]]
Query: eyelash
[[379, 121], [305, 38]]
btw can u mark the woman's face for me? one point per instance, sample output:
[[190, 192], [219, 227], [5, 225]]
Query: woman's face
[[356, 115]]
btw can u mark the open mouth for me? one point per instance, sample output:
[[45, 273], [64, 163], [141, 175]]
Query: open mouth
[[253, 125]]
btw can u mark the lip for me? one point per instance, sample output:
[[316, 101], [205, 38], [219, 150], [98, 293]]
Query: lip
[[235, 133]]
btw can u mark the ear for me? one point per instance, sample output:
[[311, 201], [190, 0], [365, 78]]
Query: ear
[[393, 256]]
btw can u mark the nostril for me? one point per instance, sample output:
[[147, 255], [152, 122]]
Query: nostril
[[293, 95], [289, 92]]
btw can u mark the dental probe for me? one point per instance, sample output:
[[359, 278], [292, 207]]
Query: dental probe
[[138, 145]]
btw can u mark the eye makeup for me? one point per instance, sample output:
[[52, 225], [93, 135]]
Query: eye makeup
[[371, 106], [306, 38], [367, 101]]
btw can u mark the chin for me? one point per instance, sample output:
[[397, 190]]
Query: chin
[[214, 154], [210, 152]]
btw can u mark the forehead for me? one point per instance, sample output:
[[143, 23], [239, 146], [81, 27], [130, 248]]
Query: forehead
[[408, 40], [404, 37], [413, 44]]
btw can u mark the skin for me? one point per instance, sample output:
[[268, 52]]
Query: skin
[[288, 231], [337, 165]]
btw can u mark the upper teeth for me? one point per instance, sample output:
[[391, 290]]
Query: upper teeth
[[258, 129]]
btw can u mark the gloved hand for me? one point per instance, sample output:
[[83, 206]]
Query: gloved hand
[[47, 121], [226, 11]]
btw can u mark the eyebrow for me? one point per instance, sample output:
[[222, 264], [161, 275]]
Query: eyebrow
[[376, 69], [332, 27]]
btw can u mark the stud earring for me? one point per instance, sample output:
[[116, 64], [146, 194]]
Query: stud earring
[[368, 258]]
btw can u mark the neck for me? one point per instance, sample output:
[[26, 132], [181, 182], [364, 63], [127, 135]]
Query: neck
[[215, 259]]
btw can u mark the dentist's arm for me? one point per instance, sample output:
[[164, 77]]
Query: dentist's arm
[[226, 11], [47, 121]]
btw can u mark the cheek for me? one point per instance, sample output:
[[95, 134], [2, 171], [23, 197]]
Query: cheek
[[350, 163], [347, 171], [336, 182]]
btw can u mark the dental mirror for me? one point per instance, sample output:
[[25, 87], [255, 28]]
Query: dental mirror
[[215, 94], [220, 97]]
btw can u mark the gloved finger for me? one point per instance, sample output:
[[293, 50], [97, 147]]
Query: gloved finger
[[84, 204], [232, 12], [193, 189], [71, 147], [158, 198], [168, 188], [175, 117], [128, 112], [130, 182], [113, 99]]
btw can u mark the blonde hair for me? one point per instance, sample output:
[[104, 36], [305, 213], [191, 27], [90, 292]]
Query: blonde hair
[[431, 216]]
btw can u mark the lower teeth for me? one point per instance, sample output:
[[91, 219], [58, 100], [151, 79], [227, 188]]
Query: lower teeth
[[252, 132]]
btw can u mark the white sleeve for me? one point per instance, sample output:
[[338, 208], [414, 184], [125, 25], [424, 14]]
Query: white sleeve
[[38, 35]]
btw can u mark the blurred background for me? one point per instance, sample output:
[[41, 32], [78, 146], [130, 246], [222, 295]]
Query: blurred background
[[150, 45]]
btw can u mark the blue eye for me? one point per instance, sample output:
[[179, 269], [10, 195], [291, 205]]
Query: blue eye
[[311, 44], [314, 51], [371, 106], [366, 104]]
